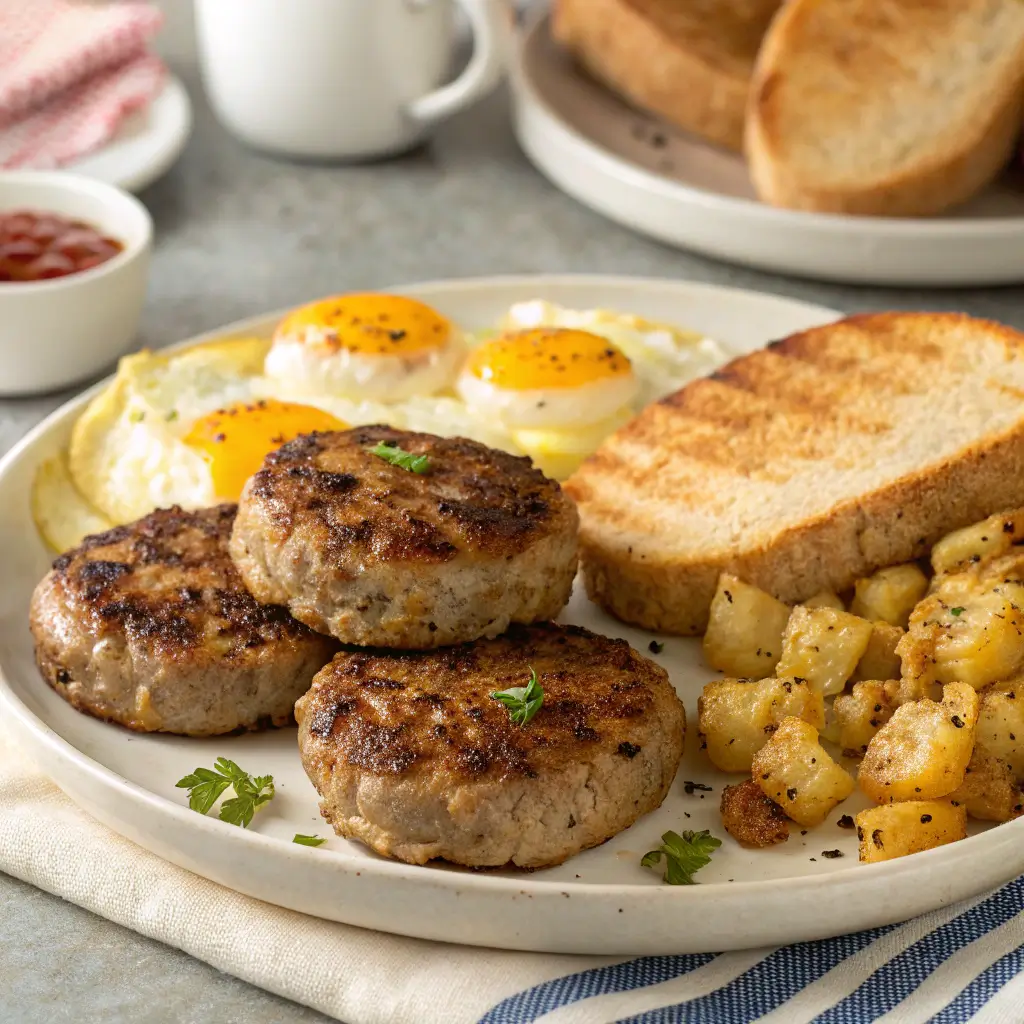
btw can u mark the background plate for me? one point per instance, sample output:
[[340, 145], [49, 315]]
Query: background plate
[[655, 179], [599, 902], [147, 144]]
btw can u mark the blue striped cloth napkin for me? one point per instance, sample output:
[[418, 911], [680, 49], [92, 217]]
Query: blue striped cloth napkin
[[959, 964]]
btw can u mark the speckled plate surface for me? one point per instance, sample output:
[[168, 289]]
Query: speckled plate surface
[[602, 901], [661, 182]]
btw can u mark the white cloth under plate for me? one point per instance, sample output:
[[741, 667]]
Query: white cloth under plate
[[962, 963]]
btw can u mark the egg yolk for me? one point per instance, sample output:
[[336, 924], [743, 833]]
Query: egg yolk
[[547, 357], [370, 324], [236, 440]]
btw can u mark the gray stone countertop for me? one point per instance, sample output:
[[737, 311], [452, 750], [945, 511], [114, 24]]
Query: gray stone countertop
[[238, 233]]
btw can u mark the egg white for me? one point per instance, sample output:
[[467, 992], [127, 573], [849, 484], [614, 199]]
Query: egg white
[[664, 357], [449, 417], [561, 408], [128, 453], [305, 366]]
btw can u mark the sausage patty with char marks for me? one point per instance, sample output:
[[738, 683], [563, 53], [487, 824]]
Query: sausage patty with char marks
[[149, 625], [380, 556], [412, 755]]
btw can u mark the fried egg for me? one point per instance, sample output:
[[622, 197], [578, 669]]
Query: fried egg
[[547, 377], [235, 440], [574, 420], [381, 347], [190, 428], [664, 357]]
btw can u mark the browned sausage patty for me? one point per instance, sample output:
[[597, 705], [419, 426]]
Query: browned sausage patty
[[412, 755], [150, 625], [377, 555]]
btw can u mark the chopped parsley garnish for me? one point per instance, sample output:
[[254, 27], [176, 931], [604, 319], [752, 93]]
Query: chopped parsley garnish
[[308, 840], [205, 786], [655, 647], [404, 460], [956, 612], [522, 702], [684, 855]]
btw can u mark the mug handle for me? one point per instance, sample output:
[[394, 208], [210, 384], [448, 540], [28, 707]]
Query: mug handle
[[482, 73]]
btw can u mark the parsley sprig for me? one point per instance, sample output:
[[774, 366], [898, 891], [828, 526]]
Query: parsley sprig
[[308, 840], [523, 702], [403, 459], [684, 855], [205, 786]]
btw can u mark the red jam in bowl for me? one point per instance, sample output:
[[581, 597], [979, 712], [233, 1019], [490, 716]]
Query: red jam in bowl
[[38, 246]]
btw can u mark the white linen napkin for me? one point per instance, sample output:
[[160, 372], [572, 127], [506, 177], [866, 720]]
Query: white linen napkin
[[357, 976], [958, 964]]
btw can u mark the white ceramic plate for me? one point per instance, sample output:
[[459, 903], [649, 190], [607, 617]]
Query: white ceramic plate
[[642, 173], [599, 902], [146, 145]]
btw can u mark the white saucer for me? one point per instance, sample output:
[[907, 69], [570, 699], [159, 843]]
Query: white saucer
[[659, 181], [146, 146]]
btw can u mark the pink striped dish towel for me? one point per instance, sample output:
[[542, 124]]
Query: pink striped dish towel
[[70, 73]]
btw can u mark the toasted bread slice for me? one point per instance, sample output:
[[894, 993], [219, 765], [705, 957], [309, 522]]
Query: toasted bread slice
[[805, 465], [688, 60], [892, 109]]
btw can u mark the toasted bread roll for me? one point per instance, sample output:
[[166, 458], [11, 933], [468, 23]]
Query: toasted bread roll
[[688, 60], [896, 109]]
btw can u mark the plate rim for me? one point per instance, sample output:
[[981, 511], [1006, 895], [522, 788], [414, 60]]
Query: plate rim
[[757, 212], [32, 729]]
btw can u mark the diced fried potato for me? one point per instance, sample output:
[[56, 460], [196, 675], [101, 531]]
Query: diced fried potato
[[969, 630], [992, 536], [900, 829], [794, 770], [751, 818], [880, 660], [904, 690], [829, 732], [825, 599], [860, 714], [922, 752], [890, 594], [822, 646], [736, 716], [1001, 724], [989, 791], [744, 634]]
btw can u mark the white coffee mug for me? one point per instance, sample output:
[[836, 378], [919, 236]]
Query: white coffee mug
[[342, 79]]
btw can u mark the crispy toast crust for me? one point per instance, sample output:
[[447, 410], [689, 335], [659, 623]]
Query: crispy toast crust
[[689, 61], [757, 416], [847, 114]]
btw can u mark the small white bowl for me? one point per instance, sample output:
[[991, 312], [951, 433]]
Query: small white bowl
[[64, 330]]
